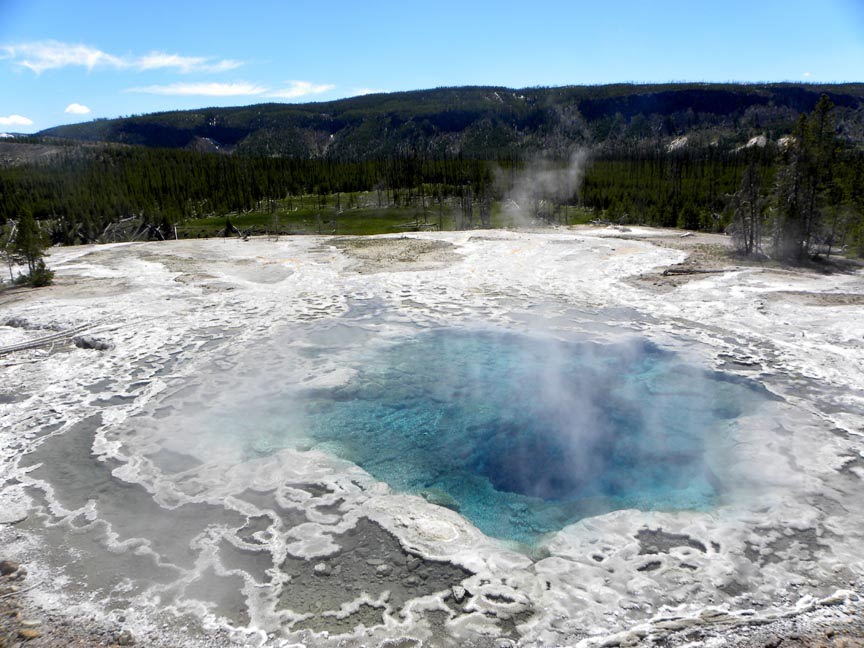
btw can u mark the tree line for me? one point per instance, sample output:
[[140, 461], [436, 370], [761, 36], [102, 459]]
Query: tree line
[[483, 122], [81, 191], [801, 196], [792, 199]]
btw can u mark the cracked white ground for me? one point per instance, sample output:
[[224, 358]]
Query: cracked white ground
[[131, 516]]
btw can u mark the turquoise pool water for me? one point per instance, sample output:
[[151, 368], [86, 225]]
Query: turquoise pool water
[[524, 435]]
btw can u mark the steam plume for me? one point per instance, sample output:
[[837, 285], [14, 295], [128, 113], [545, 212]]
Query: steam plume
[[541, 184]]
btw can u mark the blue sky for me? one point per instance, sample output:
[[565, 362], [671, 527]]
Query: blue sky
[[64, 62]]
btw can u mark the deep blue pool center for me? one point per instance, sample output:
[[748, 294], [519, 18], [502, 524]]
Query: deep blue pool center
[[525, 434]]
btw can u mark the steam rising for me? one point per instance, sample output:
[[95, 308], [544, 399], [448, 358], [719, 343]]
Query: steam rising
[[521, 433], [541, 184], [217, 486], [524, 434]]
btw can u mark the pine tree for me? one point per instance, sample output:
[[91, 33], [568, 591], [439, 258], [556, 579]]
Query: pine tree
[[750, 205], [6, 235], [802, 183], [28, 246]]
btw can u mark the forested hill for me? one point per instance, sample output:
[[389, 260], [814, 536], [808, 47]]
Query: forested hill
[[786, 160], [488, 122]]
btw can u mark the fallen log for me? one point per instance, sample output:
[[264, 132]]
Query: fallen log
[[46, 340], [689, 271], [72, 336]]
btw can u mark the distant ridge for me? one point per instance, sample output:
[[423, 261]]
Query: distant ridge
[[487, 122]]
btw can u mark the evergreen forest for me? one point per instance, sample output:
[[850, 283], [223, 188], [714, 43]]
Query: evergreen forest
[[780, 168]]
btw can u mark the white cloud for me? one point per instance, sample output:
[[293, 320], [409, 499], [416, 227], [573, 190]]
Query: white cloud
[[77, 109], [15, 120], [295, 90], [359, 92], [40, 56], [184, 64], [50, 55], [298, 89], [203, 89], [807, 75]]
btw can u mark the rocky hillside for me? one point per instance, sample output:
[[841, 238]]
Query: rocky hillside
[[487, 122]]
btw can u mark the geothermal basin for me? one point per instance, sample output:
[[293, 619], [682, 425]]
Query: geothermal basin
[[522, 434], [496, 438]]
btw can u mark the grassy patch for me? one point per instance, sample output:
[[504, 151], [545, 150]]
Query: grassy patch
[[359, 214]]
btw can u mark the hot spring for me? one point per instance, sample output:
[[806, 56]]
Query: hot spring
[[513, 442], [521, 434]]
